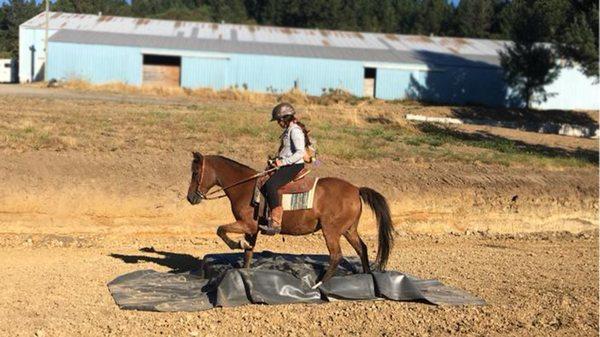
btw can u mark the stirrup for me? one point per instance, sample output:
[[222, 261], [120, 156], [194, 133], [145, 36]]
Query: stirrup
[[270, 229], [264, 230]]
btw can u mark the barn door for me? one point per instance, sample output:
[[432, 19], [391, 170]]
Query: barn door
[[369, 79], [160, 70]]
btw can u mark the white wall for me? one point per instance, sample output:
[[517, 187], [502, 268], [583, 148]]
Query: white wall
[[574, 91]]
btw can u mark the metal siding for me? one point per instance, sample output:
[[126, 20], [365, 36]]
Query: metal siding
[[573, 91], [202, 72], [449, 85], [454, 85], [27, 38], [392, 83], [464, 86], [272, 74], [96, 64]]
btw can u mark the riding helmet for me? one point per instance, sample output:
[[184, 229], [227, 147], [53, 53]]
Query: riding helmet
[[281, 110]]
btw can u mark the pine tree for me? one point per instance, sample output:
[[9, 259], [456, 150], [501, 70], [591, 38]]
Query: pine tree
[[434, 17], [578, 40], [386, 15], [474, 18], [500, 25], [106, 7], [14, 13], [530, 64], [233, 11], [407, 12]]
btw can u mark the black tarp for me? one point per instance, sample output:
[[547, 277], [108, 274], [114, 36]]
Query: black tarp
[[273, 279]]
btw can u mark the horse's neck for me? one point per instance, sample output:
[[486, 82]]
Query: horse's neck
[[228, 173]]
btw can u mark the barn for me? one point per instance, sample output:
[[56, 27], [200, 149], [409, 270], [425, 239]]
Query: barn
[[138, 51]]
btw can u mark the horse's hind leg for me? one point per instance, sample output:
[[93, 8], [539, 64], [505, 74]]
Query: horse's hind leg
[[359, 246], [335, 254], [248, 252]]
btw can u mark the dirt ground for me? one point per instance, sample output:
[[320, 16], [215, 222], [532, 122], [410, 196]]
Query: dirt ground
[[521, 235], [535, 285]]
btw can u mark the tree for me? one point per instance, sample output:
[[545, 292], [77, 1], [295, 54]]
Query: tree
[[473, 18], [500, 25], [529, 63], [407, 12], [434, 17], [228, 10], [528, 69], [578, 40], [14, 13], [107, 7]]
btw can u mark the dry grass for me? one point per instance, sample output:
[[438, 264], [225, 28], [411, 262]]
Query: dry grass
[[294, 96], [234, 122]]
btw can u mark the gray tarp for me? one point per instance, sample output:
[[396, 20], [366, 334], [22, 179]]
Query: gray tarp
[[273, 279]]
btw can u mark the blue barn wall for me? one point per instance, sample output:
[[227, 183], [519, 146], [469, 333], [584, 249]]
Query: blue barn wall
[[272, 73], [264, 73], [394, 83], [456, 85], [95, 63], [101, 64], [204, 72], [32, 38]]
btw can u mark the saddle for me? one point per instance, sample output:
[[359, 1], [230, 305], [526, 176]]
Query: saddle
[[297, 194], [301, 183]]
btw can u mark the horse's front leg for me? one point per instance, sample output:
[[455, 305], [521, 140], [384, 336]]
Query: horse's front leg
[[237, 227], [248, 252]]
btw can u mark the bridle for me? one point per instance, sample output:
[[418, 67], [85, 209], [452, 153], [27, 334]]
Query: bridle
[[208, 196]]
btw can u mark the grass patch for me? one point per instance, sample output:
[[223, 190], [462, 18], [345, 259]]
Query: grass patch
[[503, 150], [241, 129]]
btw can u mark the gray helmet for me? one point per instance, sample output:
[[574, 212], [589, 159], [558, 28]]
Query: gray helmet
[[281, 110]]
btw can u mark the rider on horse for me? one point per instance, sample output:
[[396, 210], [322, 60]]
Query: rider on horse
[[290, 161]]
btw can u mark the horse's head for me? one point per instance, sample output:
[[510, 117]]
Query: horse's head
[[203, 178]]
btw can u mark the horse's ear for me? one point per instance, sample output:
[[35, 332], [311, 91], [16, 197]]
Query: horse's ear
[[197, 155]]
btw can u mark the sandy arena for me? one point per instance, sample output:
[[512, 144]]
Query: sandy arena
[[85, 176]]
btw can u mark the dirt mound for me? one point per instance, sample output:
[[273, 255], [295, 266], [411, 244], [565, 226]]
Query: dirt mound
[[125, 192]]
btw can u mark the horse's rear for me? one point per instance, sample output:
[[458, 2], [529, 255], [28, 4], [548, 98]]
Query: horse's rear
[[337, 209]]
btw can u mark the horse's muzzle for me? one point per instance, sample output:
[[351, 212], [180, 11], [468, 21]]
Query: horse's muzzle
[[194, 198]]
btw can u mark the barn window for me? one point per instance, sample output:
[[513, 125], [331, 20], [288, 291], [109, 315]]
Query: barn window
[[369, 82], [161, 70]]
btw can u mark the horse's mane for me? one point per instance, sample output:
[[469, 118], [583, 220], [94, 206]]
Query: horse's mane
[[235, 163]]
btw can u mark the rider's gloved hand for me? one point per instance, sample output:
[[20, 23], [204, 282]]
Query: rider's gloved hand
[[274, 162]]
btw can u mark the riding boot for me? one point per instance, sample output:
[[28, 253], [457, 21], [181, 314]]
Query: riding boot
[[274, 226]]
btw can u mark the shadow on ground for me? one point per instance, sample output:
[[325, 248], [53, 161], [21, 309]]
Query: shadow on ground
[[526, 116], [437, 135], [178, 263]]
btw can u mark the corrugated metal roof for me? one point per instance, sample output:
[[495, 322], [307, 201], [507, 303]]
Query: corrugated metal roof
[[233, 38]]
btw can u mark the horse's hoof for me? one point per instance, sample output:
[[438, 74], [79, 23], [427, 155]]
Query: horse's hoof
[[244, 245], [316, 285]]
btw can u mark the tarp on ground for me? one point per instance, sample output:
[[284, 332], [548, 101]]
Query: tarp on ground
[[273, 279]]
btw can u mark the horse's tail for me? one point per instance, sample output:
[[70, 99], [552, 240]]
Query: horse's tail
[[385, 226]]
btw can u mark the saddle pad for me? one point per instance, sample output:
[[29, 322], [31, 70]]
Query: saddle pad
[[295, 201]]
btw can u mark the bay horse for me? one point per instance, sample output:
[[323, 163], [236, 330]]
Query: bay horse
[[336, 211]]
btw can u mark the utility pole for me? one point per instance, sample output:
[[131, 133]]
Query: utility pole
[[46, 41]]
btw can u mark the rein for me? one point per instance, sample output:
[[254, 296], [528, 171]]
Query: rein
[[207, 196]]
